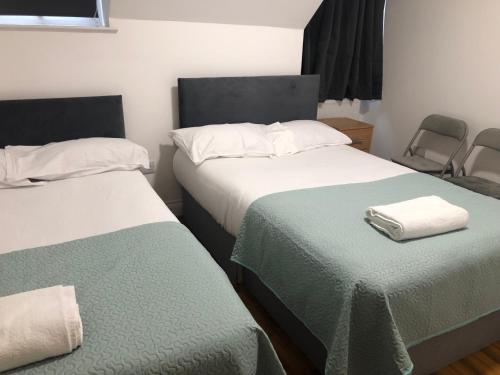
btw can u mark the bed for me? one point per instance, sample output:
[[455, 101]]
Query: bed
[[248, 198], [151, 298]]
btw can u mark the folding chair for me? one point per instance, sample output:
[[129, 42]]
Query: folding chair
[[444, 126], [489, 138]]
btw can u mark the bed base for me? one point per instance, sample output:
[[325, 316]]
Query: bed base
[[428, 357], [214, 238]]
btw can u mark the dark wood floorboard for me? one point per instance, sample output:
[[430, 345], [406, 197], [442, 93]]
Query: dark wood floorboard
[[485, 362], [291, 357]]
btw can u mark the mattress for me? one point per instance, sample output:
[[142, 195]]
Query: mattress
[[76, 208], [226, 187]]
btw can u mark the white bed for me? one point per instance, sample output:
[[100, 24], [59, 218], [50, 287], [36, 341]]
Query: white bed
[[226, 187], [142, 281], [75, 208]]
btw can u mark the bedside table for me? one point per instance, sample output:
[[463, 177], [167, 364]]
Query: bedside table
[[360, 132]]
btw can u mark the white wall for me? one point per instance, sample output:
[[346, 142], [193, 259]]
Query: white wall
[[142, 62], [281, 13], [441, 56]]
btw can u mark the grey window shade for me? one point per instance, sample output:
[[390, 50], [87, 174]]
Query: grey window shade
[[54, 8]]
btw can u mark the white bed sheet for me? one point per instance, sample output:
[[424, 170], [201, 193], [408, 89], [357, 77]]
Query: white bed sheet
[[226, 187], [76, 208]]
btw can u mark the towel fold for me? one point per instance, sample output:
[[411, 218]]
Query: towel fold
[[416, 218], [38, 324]]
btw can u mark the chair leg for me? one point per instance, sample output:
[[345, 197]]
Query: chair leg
[[452, 170]]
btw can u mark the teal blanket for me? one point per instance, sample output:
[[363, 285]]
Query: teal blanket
[[152, 301], [365, 297]]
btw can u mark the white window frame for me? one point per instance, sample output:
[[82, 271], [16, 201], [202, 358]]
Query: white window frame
[[50, 22]]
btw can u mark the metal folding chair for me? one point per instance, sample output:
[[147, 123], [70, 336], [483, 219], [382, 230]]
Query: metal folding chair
[[444, 126], [489, 138]]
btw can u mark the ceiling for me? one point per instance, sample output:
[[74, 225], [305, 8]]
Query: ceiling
[[293, 14]]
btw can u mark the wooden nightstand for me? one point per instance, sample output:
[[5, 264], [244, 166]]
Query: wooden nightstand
[[360, 132]]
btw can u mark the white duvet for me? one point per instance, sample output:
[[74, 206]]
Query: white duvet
[[226, 187], [75, 208]]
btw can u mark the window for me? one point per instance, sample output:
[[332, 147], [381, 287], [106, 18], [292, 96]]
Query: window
[[78, 13]]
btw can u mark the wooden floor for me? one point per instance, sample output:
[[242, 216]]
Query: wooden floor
[[292, 359], [485, 362]]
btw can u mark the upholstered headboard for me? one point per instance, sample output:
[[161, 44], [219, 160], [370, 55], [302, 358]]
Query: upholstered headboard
[[261, 100], [41, 121]]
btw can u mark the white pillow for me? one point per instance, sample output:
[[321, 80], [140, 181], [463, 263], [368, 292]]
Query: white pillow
[[3, 176], [22, 183], [76, 158], [282, 139], [223, 140], [307, 135]]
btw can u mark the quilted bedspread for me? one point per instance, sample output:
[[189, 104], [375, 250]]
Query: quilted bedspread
[[152, 301], [365, 297]]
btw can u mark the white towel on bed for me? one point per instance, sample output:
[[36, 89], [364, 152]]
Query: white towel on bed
[[421, 217], [38, 324]]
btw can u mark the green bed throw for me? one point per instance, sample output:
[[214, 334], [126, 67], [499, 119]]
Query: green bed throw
[[365, 297], [152, 301]]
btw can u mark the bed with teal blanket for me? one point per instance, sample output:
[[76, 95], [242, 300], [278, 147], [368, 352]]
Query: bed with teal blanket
[[367, 298], [152, 301]]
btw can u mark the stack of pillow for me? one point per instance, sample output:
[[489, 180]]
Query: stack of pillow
[[255, 140], [34, 165]]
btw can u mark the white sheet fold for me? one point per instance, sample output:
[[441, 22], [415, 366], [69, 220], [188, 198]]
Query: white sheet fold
[[38, 324], [416, 218]]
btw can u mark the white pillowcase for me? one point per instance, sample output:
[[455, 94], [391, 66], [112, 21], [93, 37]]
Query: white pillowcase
[[75, 158], [3, 176], [223, 140], [307, 135], [255, 140], [282, 138]]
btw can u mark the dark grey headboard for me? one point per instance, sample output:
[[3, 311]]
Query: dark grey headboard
[[261, 100], [34, 122]]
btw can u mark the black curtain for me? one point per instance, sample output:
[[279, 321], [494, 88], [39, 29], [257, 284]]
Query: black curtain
[[56, 8], [343, 43]]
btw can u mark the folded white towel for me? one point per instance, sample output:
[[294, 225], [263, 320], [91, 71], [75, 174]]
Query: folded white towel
[[38, 324], [421, 217]]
